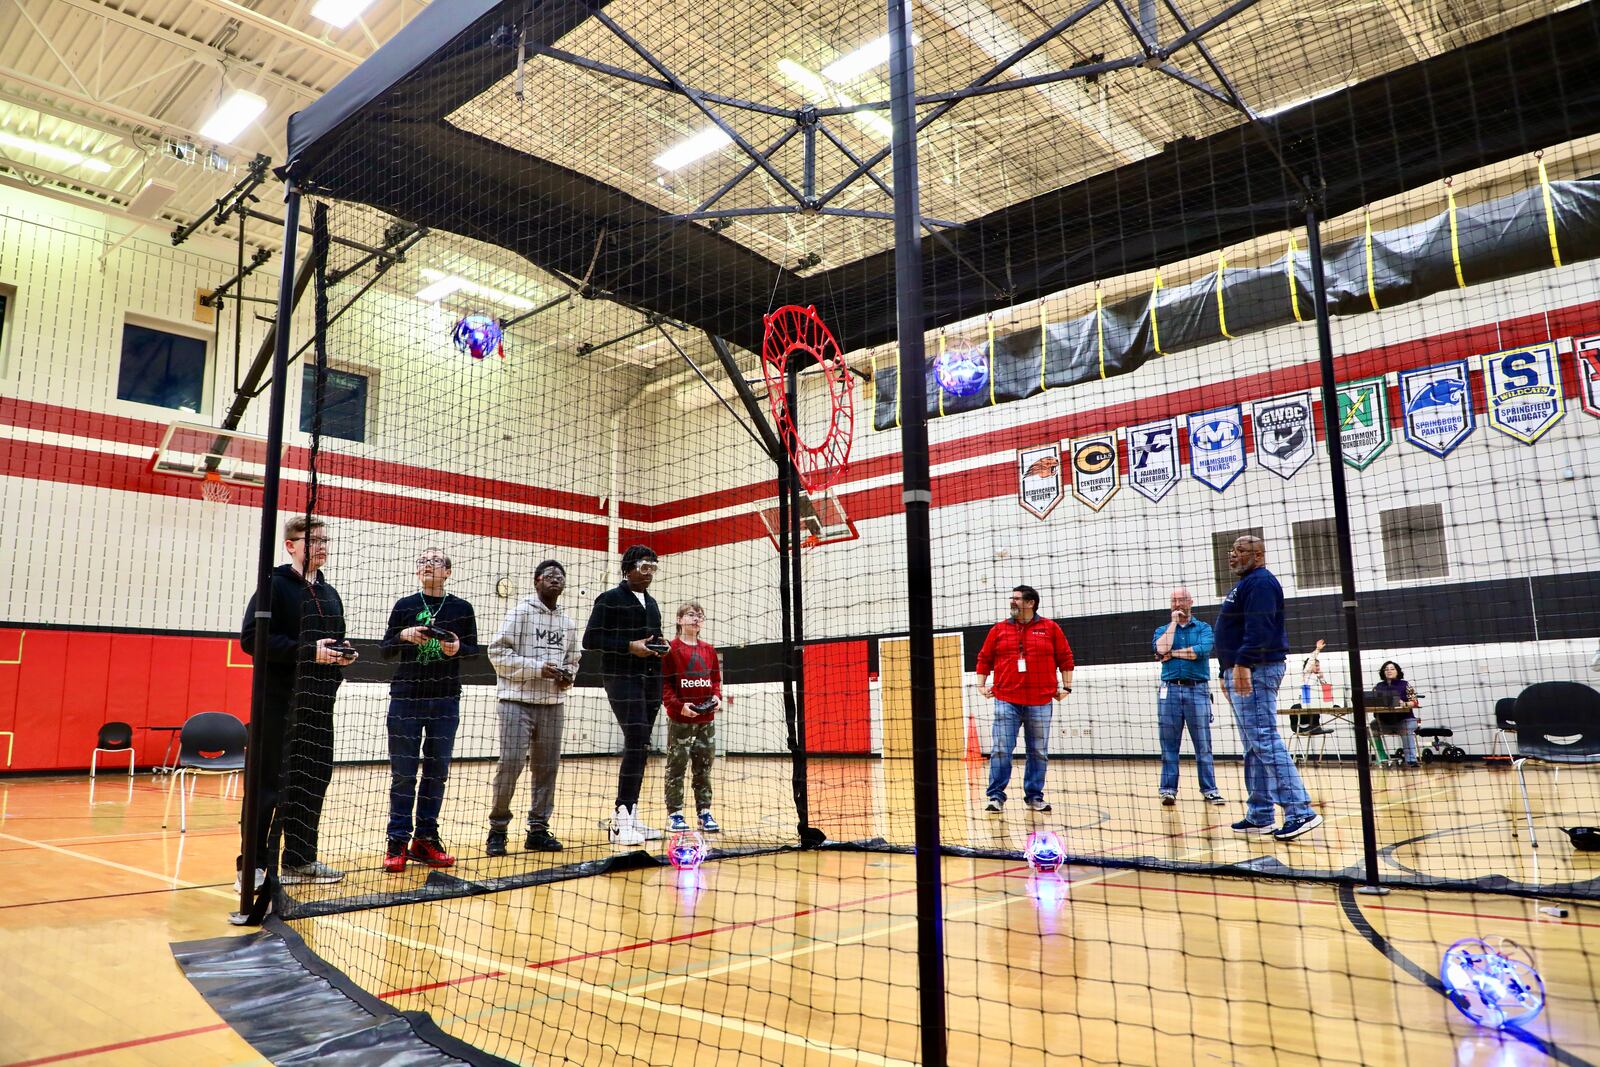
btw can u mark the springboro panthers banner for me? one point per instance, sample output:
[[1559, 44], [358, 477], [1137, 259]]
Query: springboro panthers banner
[[1436, 403]]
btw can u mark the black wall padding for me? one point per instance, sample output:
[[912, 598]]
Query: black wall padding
[[1498, 239]]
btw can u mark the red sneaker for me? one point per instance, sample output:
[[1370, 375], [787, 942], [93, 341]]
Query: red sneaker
[[394, 861], [430, 850]]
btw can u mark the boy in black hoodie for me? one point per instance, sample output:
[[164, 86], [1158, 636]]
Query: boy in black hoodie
[[625, 628], [306, 657]]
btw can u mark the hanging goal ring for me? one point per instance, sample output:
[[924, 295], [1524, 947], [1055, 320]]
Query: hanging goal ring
[[796, 333]]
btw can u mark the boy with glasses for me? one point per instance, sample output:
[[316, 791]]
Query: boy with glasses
[[430, 632]]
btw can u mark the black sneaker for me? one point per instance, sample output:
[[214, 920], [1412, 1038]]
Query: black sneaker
[[541, 841], [496, 845], [1038, 804]]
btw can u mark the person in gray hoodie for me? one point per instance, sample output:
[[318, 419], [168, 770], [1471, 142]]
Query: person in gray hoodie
[[535, 657]]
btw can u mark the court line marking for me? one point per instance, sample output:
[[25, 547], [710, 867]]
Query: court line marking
[[635, 1000], [115, 1046], [173, 881]]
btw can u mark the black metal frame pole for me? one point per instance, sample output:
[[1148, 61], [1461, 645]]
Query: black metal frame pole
[[795, 650], [917, 492], [267, 555], [785, 609], [1341, 520]]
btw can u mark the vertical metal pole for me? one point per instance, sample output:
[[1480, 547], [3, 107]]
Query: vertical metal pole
[[918, 497], [791, 716], [1341, 519], [268, 552], [795, 650]]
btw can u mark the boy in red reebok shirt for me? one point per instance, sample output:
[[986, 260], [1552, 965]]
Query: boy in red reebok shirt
[[692, 692], [1024, 652]]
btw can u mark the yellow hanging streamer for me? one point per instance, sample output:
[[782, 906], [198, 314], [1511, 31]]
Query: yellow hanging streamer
[[1044, 345], [1372, 288], [1455, 239], [1222, 312], [1155, 328], [1294, 291], [936, 382], [1549, 212], [1100, 327], [992, 361]]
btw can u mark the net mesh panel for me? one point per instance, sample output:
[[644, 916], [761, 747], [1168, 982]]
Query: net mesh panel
[[544, 197]]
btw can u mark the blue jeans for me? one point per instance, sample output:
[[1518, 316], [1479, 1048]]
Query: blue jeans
[[1269, 773], [1185, 705], [422, 733], [1406, 729], [1034, 719]]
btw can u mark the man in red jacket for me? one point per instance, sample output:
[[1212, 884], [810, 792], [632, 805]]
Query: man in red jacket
[[1025, 653]]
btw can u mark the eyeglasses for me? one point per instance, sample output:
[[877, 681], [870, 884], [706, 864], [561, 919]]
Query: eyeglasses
[[312, 540], [646, 567], [432, 561], [553, 576]]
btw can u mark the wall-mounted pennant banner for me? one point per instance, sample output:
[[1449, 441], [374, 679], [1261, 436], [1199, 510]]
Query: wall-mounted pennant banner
[[1436, 404], [1094, 469], [1522, 390], [1153, 458], [1039, 479], [1286, 437], [1216, 446], [1363, 421], [1587, 353]]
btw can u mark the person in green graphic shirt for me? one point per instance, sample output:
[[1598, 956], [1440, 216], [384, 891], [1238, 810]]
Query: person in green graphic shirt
[[430, 632]]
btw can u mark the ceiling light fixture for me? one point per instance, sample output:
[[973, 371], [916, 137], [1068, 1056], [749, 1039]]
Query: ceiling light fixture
[[848, 68], [339, 13], [447, 285], [696, 147], [232, 116], [55, 152], [819, 91]]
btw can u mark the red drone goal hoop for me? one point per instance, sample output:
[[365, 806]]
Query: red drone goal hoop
[[798, 333]]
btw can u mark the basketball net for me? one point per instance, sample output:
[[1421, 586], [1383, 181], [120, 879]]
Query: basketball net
[[213, 490]]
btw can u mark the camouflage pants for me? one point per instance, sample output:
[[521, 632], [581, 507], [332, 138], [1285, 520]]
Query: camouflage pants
[[694, 744]]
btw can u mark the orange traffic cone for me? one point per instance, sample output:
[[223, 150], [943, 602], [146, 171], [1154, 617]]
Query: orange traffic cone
[[974, 752]]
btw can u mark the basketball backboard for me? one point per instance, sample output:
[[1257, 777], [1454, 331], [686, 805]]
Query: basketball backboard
[[822, 520], [190, 450]]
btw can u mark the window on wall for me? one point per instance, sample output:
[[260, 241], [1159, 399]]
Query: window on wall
[[1414, 543], [1316, 554], [344, 405], [162, 368], [1221, 542]]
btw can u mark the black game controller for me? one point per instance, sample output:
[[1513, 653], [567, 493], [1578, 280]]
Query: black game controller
[[708, 704], [657, 645], [346, 651], [437, 634]]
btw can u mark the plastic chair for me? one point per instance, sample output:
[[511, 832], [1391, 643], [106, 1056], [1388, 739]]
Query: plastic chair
[[1505, 727], [113, 737], [1557, 723], [211, 743], [1303, 729]]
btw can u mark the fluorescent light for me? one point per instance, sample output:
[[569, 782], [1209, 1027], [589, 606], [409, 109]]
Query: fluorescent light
[[151, 199], [233, 116], [339, 13], [848, 68], [819, 91], [447, 285], [699, 146], [1304, 100], [55, 152]]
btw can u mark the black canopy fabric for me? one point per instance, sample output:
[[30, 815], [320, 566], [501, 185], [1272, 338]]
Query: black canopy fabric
[[1527, 88]]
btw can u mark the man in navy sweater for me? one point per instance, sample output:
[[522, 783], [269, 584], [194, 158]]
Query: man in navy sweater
[[625, 628], [1251, 646]]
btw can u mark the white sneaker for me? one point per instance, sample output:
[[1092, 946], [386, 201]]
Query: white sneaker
[[261, 878], [650, 833], [624, 833]]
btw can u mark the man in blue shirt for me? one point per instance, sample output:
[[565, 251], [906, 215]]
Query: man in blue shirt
[[1183, 645], [1251, 646]]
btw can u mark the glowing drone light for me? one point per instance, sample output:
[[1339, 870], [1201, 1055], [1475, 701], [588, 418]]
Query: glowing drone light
[[1045, 852], [477, 335], [1492, 982], [686, 850]]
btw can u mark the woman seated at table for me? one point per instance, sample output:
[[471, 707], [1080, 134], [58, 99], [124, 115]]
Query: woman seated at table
[[1405, 699]]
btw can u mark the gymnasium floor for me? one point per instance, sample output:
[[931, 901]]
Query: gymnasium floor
[[806, 958]]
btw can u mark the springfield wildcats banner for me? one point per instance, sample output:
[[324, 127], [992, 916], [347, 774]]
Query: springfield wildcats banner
[[1039, 479], [1153, 458], [1363, 421], [1285, 434], [1587, 351], [1216, 447], [1437, 407], [1522, 388], [1095, 477]]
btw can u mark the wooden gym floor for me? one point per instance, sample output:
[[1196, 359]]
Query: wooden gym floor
[[809, 958]]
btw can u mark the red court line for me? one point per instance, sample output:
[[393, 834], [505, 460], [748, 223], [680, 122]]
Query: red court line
[[131, 1043], [112, 896]]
